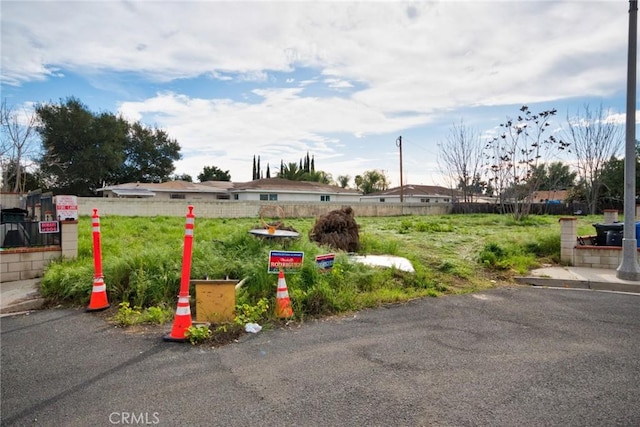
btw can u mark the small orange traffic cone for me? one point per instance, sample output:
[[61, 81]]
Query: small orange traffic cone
[[283, 303], [182, 321], [98, 296]]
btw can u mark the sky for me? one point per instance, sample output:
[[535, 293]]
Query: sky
[[338, 80]]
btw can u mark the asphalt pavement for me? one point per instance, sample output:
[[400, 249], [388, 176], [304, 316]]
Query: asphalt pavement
[[510, 356]]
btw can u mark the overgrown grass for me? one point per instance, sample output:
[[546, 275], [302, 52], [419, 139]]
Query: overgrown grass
[[142, 260]]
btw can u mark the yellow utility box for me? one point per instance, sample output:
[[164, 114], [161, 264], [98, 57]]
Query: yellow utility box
[[215, 300]]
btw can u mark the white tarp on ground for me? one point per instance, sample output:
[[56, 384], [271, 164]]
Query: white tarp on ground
[[385, 261]]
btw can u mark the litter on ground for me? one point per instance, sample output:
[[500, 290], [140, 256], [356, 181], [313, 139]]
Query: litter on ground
[[384, 261]]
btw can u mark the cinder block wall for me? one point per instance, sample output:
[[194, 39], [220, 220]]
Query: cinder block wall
[[246, 209], [26, 263], [598, 256], [30, 263]]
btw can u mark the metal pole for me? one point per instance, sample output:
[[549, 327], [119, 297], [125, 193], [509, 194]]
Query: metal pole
[[399, 145], [629, 268]]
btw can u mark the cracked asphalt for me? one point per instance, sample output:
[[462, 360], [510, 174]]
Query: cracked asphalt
[[517, 356]]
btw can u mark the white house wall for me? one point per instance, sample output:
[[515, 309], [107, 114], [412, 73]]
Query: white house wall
[[298, 197]]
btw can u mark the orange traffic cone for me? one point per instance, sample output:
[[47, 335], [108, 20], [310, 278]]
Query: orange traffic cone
[[283, 303], [182, 321], [98, 296]]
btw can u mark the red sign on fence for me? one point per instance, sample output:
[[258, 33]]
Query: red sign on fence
[[46, 227]]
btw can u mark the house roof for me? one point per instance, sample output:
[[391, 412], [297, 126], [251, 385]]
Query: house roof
[[411, 190], [224, 187], [550, 195], [170, 186], [280, 184], [138, 192]]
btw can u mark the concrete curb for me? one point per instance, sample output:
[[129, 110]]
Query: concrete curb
[[580, 284], [19, 296], [22, 306]]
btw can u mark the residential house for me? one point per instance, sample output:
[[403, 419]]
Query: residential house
[[552, 196], [268, 189], [413, 194], [177, 190], [284, 190]]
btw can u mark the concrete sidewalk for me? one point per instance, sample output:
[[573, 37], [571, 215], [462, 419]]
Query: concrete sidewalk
[[20, 295], [599, 279], [23, 295]]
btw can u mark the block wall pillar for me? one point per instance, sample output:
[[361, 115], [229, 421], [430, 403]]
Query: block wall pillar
[[568, 237]]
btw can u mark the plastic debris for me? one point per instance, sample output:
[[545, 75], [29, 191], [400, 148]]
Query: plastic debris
[[252, 328]]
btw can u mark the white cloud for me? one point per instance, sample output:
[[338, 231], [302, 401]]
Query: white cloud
[[390, 65]]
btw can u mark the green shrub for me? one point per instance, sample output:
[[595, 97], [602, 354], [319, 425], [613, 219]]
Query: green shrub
[[197, 334], [127, 315], [246, 313]]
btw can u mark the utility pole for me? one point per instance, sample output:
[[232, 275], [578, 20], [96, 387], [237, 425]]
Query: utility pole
[[629, 268], [399, 145]]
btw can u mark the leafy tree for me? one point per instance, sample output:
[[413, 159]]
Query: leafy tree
[[612, 180], [17, 145], [81, 151], [254, 174], [554, 176], [298, 172], [213, 173], [149, 156], [182, 177], [343, 181], [268, 175], [317, 176], [594, 139], [307, 163], [372, 181], [290, 171], [258, 170], [513, 157]]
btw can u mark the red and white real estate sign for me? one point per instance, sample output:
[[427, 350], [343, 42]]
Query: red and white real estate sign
[[67, 207]]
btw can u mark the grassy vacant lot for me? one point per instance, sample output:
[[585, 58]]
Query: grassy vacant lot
[[142, 259]]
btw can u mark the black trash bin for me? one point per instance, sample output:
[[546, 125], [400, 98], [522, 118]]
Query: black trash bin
[[13, 215], [614, 238], [602, 231]]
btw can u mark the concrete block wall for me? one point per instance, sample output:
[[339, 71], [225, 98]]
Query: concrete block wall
[[598, 256], [30, 263], [26, 263], [246, 209]]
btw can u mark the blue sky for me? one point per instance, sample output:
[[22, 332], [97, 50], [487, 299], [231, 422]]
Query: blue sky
[[340, 80]]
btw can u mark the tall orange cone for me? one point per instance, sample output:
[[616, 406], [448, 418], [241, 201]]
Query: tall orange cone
[[99, 299], [283, 303], [182, 320], [98, 296]]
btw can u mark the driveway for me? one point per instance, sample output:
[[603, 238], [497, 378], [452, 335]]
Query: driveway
[[506, 357]]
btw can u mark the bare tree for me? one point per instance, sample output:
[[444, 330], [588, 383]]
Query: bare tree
[[595, 139], [514, 156], [460, 158], [17, 143]]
